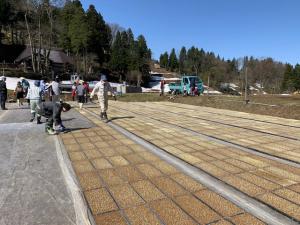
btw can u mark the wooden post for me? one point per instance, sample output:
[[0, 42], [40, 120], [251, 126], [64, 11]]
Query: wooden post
[[208, 85], [246, 86]]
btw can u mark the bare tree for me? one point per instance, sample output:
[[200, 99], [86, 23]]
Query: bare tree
[[115, 28]]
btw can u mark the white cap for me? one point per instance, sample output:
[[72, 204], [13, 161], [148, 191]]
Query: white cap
[[3, 78]]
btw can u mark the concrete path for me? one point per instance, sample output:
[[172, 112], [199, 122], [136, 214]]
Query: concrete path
[[32, 186]]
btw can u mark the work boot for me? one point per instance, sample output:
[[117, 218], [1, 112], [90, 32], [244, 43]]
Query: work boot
[[32, 117], [50, 131], [101, 115], [105, 117]]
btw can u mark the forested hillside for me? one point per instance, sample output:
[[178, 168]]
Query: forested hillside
[[98, 46]]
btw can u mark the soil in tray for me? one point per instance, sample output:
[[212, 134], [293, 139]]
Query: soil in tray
[[141, 215], [199, 211], [187, 182], [218, 203], [100, 201], [147, 190], [168, 186], [246, 219], [110, 218], [170, 213], [125, 196], [89, 181]]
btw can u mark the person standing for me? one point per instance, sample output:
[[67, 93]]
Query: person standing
[[3, 92], [43, 87], [80, 90], [35, 96], [55, 89], [73, 91], [19, 92], [162, 87], [102, 88], [87, 91], [26, 86]]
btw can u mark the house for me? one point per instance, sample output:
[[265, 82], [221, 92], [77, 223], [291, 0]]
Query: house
[[60, 62]]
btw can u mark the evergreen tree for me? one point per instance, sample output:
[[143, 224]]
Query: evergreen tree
[[119, 57], [296, 79], [98, 36], [287, 83], [173, 61], [144, 57], [182, 60], [78, 32], [164, 60], [194, 59], [5, 12]]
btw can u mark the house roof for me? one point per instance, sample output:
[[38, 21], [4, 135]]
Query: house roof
[[56, 56]]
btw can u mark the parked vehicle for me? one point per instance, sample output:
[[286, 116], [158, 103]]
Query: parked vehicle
[[189, 85]]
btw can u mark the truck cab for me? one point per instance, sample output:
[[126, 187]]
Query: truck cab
[[190, 85]]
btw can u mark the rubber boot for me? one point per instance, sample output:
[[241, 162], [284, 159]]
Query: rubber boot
[[80, 105], [38, 120], [18, 101], [101, 115], [50, 131], [32, 117], [105, 117]]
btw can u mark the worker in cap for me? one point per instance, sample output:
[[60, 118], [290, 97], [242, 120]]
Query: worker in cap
[[101, 89], [3, 92]]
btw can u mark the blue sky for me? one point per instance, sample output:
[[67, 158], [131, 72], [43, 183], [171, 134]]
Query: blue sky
[[230, 28]]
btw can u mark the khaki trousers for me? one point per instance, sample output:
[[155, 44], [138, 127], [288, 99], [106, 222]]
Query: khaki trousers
[[103, 102]]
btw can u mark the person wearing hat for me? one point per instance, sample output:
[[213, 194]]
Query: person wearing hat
[[102, 88], [35, 96], [80, 91], [3, 92], [52, 111], [26, 86]]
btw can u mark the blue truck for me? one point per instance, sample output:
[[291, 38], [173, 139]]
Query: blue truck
[[187, 85]]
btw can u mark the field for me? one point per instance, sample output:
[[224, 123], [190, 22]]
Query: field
[[273, 105]]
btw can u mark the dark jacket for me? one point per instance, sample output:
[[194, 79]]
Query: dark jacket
[[48, 110], [3, 89]]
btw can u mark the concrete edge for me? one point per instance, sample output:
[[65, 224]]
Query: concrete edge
[[82, 211]]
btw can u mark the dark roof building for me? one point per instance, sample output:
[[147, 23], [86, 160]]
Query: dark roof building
[[59, 61]]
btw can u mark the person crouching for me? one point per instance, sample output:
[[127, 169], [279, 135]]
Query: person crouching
[[52, 111]]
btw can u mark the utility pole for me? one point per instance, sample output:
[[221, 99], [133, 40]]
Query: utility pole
[[246, 86]]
